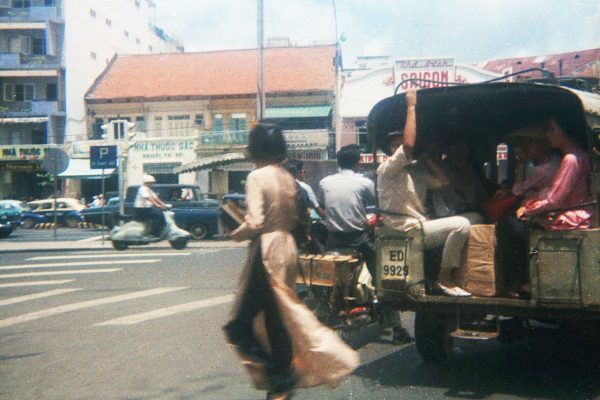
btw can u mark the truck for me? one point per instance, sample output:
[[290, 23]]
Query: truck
[[563, 266]]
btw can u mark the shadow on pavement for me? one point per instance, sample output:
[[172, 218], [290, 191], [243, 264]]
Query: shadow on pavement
[[549, 368]]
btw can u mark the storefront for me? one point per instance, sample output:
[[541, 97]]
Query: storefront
[[21, 176]]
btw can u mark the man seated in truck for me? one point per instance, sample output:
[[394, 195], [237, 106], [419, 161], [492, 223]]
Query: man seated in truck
[[402, 185]]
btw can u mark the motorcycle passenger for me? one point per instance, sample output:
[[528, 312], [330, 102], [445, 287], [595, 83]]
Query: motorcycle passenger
[[148, 205]]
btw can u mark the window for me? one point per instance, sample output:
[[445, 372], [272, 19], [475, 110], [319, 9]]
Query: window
[[21, 3], [157, 126], [51, 92], [126, 34], [199, 120], [150, 49], [97, 131], [237, 122], [39, 46], [92, 55], [49, 3], [360, 127], [92, 13], [179, 125], [18, 92], [137, 40], [108, 22], [218, 123], [140, 124], [137, 3]]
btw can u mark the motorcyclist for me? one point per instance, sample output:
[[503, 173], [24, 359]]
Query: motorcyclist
[[147, 206]]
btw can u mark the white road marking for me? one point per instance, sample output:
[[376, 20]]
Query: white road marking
[[76, 264], [84, 304], [92, 239], [36, 283], [35, 296], [101, 255], [167, 311], [66, 272]]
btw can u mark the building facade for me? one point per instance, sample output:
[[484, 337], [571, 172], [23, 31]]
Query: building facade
[[50, 53], [209, 99]]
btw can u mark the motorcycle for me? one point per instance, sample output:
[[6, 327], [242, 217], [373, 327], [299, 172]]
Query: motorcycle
[[134, 233], [336, 284]]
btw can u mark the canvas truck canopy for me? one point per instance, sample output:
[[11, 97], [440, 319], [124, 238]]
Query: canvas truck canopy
[[487, 111]]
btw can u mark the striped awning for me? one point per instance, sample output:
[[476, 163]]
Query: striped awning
[[210, 162]]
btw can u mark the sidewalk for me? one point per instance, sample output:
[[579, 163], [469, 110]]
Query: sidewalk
[[96, 244]]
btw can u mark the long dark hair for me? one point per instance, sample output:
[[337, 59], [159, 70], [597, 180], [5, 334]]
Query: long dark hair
[[266, 143]]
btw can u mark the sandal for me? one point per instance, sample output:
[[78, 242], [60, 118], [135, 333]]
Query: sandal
[[453, 292]]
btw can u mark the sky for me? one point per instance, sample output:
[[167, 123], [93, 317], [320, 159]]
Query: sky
[[467, 30]]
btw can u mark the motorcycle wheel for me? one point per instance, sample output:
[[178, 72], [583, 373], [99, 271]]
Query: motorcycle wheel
[[179, 244], [119, 245]]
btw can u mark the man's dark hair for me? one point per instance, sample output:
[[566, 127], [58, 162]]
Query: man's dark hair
[[266, 143], [384, 143], [348, 156]]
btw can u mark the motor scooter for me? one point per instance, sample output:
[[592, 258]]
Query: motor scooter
[[134, 233]]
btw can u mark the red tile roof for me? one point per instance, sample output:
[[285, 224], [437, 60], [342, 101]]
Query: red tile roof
[[218, 73], [576, 63]]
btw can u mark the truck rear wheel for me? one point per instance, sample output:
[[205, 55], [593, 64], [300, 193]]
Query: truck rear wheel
[[432, 336]]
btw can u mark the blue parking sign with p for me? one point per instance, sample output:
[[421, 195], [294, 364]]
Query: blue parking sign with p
[[102, 157]]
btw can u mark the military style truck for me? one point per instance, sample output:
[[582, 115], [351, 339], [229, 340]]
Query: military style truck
[[564, 266]]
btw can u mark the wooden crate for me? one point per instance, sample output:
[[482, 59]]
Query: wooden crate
[[326, 270]]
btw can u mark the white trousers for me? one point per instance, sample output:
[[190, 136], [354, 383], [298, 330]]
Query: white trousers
[[451, 233]]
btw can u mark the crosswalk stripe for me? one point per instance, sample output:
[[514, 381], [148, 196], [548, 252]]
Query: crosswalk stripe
[[66, 272], [113, 255], [76, 264], [35, 296], [167, 311], [91, 239], [36, 283], [84, 304]]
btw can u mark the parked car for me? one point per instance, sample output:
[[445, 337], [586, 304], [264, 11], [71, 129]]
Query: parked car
[[102, 215], [13, 211], [39, 211], [196, 212]]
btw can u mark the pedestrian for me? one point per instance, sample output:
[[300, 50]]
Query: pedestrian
[[280, 341]]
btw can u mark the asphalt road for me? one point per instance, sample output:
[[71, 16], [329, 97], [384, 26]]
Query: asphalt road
[[145, 324]]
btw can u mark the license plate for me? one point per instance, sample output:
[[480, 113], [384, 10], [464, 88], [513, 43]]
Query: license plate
[[393, 262]]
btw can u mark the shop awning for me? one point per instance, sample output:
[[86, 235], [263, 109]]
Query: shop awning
[[298, 112], [24, 120], [210, 162], [79, 168]]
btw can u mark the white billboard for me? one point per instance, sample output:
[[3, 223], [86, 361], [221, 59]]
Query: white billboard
[[425, 72]]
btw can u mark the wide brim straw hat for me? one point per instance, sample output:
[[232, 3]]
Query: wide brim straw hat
[[526, 134]]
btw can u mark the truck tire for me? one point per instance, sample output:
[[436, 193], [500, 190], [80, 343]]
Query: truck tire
[[432, 337]]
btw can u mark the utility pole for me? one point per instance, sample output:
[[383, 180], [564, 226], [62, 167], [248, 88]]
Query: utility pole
[[260, 92]]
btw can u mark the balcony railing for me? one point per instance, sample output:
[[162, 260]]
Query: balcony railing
[[37, 13], [28, 61], [27, 108]]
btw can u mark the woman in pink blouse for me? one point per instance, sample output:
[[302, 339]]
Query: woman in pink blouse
[[565, 205]]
